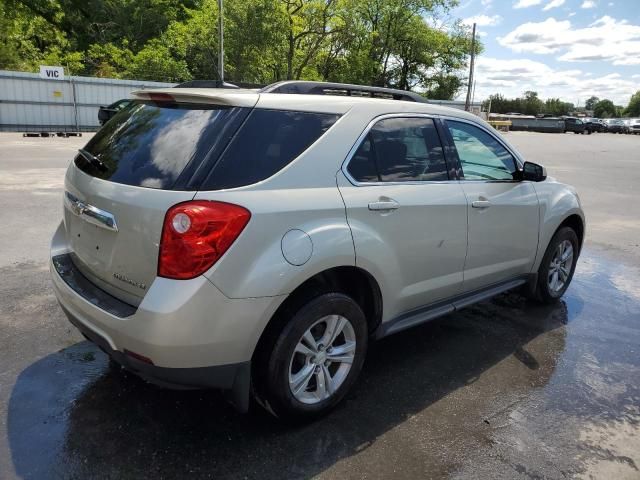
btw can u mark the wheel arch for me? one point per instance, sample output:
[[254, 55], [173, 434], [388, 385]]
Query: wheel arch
[[575, 222], [353, 281]]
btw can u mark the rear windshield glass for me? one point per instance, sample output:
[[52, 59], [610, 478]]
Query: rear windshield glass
[[267, 142], [150, 144]]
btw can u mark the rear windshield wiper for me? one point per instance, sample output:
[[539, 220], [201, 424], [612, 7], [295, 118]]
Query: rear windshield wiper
[[92, 159]]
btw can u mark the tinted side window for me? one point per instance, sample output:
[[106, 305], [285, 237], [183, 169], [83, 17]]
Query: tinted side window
[[481, 156], [362, 166], [400, 150], [267, 142]]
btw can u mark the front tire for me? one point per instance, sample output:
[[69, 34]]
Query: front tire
[[558, 265], [308, 368]]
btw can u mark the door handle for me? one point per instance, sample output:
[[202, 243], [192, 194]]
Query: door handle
[[383, 206], [481, 204]]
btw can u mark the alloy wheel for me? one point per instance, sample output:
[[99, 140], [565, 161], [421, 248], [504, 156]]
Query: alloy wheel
[[560, 266], [322, 359]]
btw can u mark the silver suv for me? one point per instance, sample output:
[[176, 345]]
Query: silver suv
[[257, 241]]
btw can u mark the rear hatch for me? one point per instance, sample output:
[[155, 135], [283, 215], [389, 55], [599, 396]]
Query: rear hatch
[[148, 157]]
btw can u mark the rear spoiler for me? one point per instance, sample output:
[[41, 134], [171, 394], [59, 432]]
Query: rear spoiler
[[210, 96]]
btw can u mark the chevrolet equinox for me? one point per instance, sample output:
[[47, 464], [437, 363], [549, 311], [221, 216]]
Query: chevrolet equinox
[[257, 241]]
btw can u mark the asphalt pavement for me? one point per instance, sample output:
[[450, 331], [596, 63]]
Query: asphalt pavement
[[504, 389]]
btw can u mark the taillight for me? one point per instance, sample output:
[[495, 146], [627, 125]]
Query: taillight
[[196, 234]]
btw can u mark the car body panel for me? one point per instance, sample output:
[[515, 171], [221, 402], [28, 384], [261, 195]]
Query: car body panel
[[417, 251], [122, 262], [502, 238], [557, 203]]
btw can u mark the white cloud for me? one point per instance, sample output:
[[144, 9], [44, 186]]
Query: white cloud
[[483, 20], [553, 4], [513, 77], [572, 14], [526, 3], [588, 4], [606, 39], [486, 3]]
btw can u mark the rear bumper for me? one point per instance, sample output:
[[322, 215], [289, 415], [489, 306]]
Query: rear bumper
[[195, 336], [220, 376]]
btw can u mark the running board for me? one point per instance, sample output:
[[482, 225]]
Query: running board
[[435, 310]]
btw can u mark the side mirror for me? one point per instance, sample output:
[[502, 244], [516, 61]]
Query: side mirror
[[533, 172]]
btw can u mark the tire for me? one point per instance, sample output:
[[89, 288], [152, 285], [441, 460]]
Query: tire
[[280, 361], [545, 290]]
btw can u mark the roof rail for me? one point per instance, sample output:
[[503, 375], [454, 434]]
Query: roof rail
[[345, 89], [205, 84], [217, 84]]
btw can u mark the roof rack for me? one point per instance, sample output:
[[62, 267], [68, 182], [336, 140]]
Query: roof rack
[[343, 89], [205, 84], [217, 84]]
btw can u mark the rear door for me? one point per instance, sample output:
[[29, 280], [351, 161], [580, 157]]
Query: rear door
[[122, 183], [408, 219], [503, 212]]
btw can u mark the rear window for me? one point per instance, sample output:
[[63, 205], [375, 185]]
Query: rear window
[[192, 147], [267, 142], [149, 145]]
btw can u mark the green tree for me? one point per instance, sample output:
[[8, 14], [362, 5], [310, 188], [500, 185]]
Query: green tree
[[604, 109], [380, 42], [591, 102], [556, 107], [532, 105], [633, 109], [155, 62]]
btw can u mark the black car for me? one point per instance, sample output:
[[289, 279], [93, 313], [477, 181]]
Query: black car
[[593, 125], [575, 125], [616, 126], [105, 113]]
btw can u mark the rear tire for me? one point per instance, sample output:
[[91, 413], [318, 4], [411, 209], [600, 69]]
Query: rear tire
[[558, 265], [306, 369]]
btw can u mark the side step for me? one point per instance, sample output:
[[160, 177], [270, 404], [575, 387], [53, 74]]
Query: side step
[[435, 310]]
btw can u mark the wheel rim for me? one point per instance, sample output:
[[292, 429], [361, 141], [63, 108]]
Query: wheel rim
[[560, 267], [322, 359]]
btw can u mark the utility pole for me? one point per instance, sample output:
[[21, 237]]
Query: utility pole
[[473, 95], [473, 56], [221, 41]]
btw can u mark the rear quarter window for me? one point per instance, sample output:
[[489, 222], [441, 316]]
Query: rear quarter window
[[266, 143]]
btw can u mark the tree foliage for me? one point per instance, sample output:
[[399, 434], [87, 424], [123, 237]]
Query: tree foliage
[[605, 109], [633, 110], [529, 104], [591, 102], [376, 42]]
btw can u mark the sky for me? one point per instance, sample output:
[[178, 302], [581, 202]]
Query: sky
[[567, 49]]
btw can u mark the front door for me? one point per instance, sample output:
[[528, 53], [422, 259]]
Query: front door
[[503, 212]]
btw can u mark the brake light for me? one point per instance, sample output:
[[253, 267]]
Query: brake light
[[160, 97], [196, 234]]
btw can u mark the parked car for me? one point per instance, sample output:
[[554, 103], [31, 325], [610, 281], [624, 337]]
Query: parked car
[[634, 126], [592, 125], [105, 113], [615, 125], [258, 241], [575, 125]]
